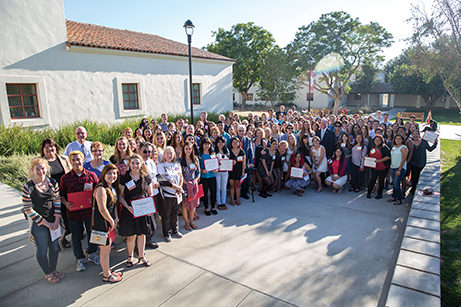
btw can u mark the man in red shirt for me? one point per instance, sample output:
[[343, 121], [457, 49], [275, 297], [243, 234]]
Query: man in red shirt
[[77, 180]]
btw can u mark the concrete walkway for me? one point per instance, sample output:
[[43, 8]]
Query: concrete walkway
[[450, 132], [322, 249]]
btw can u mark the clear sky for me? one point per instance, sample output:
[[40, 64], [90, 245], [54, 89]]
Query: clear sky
[[281, 18]]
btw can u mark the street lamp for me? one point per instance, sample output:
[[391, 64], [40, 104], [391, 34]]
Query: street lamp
[[189, 28], [309, 61]]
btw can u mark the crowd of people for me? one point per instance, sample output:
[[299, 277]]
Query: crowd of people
[[171, 162]]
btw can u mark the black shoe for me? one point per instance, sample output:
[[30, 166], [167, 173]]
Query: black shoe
[[152, 245], [368, 196], [214, 212], [245, 196], [263, 195], [378, 197], [207, 213], [268, 194]]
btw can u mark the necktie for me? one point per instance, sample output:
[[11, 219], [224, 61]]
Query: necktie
[[83, 149]]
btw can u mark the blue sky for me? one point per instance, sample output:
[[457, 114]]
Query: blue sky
[[281, 18]]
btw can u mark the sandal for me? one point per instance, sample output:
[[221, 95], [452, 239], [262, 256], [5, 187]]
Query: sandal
[[224, 207], [144, 261], [318, 190], [301, 193], [187, 227], [118, 274], [52, 279], [129, 264], [113, 280], [238, 203], [232, 203], [398, 202], [391, 200], [193, 226], [58, 275], [296, 192], [196, 216]]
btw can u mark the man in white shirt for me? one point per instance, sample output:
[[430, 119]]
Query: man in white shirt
[[81, 144], [379, 117], [145, 150], [386, 119]]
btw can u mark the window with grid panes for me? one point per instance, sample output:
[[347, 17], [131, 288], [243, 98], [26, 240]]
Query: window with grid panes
[[196, 98], [22, 100], [130, 96]]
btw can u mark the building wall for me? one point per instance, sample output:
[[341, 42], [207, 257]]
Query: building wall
[[84, 83]]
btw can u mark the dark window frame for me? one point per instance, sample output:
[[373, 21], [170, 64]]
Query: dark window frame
[[23, 107]]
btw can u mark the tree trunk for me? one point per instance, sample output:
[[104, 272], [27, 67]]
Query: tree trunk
[[244, 99], [455, 98], [337, 102]]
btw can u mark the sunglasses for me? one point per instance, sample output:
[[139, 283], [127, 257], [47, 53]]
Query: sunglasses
[[147, 151]]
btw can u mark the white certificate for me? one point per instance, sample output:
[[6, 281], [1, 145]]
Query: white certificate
[[296, 172], [211, 164], [55, 233], [143, 206], [430, 136], [226, 165], [369, 162]]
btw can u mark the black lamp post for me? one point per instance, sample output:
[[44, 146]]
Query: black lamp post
[[309, 61], [189, 28]]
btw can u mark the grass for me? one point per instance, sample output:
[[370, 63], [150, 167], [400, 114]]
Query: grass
[[442, 117], [451, 222]]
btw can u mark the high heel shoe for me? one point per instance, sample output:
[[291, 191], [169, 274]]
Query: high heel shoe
[[144, 261], [129, 264]]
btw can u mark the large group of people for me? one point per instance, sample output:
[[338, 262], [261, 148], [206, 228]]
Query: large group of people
[[170, 162]]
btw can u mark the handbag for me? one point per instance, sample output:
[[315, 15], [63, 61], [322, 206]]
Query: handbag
[[98, 237]]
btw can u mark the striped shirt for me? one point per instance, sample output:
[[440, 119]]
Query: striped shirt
[[28, 206]]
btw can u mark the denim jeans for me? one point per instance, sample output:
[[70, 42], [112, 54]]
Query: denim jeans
[[47, 251], [77, 228], [221, 183], [397, 191]]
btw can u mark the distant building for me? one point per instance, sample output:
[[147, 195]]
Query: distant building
[[54, 71]]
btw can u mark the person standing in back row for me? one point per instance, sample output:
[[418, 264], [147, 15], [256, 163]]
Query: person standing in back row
[[81, 144]]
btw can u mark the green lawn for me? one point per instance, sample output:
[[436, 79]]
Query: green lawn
[[442, 117], [450, 217]]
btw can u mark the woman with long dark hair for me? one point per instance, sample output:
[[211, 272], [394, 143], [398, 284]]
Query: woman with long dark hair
[[381, 153], [105, 219], [337, 168]]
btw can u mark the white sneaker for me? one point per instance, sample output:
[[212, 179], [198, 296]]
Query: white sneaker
[[94, 259], [81, 265]]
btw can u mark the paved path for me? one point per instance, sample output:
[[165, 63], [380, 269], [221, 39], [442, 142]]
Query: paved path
[[322, 249], [450, 132]]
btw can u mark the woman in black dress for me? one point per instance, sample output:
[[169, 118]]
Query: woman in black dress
[[266, 168], [135, 184], [238, 155], [105, 215]]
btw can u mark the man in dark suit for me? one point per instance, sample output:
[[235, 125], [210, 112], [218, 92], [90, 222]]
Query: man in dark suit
[[327, 138]]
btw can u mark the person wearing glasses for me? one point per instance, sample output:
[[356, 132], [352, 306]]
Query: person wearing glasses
[[97, 164], [81, 144]]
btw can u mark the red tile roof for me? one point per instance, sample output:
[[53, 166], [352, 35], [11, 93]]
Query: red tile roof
[[89, 35]]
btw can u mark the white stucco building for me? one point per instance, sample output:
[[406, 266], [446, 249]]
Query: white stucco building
[[54, 71]]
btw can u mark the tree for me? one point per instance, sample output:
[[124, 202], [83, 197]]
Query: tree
[[366, 77], [408, 79], [245, 43], [277, 83], [437, 44], [338, 33]]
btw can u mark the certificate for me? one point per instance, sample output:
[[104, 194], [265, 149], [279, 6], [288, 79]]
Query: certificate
[[81, 200], [211, 164], [143, 206], [226, 165], [430, 136], [55, 233], [296, 172], [370, 162]]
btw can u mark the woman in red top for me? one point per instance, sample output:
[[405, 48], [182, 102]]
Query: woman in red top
[[382, 154], [337, 167]]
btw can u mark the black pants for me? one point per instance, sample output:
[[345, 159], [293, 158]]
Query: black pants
[[158, 205], [209, 184], [245, 185], [170, 216], [415, 172], [356, 176], [375, 174]]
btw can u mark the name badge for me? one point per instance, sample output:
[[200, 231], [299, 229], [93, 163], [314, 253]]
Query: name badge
[[283, 158], [359, 148], [330, 161], [372, 151], [239, 158], [87, 186], [273, 157], [192, 166], [130, 185], [126, 162], [343, 145]]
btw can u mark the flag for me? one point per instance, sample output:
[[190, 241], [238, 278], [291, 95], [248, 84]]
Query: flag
[[429, 117]]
